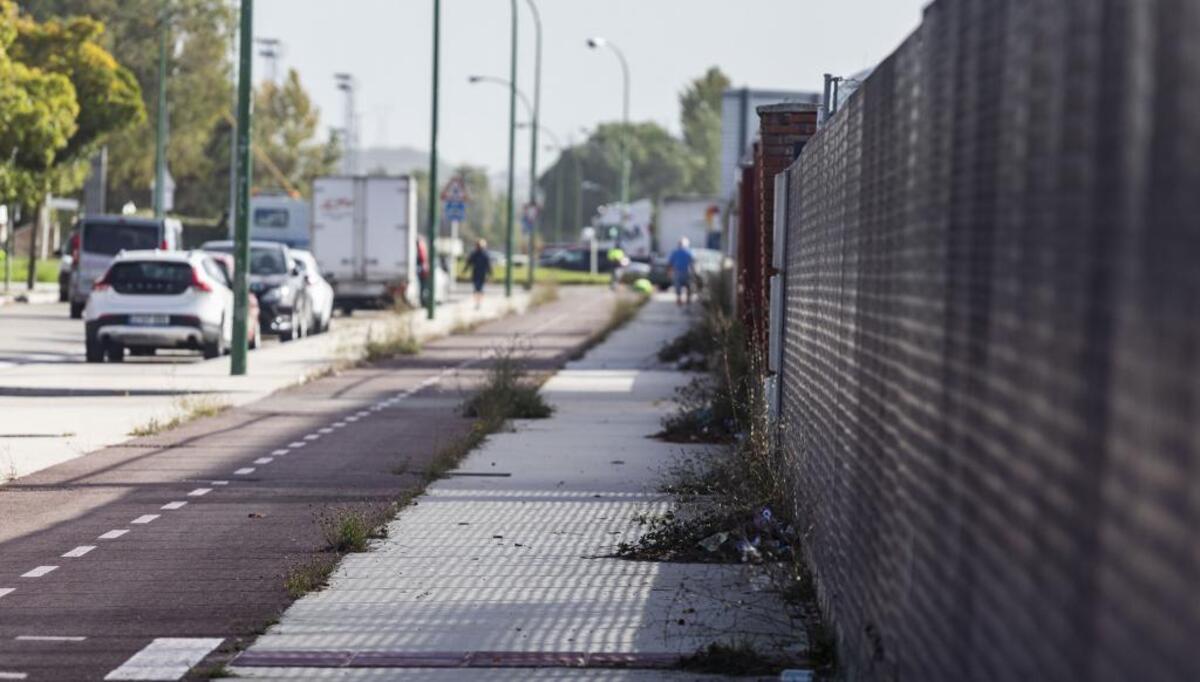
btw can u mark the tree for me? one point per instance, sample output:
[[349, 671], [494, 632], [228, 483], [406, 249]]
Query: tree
[[661, 166], [286, 127], [700, 115], [199, 92]]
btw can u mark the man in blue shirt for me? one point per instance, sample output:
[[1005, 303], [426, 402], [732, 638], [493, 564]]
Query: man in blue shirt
[[680, 263]]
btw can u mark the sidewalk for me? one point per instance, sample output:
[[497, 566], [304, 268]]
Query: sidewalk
[[505, 563], [43, 292], [105, 402]]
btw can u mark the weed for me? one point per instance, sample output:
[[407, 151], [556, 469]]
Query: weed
[[351, 528], [311, 575], [189, 409], [392, 343], [462, 327], [543, 293], [507, 393], [735, 660], [216, 671]]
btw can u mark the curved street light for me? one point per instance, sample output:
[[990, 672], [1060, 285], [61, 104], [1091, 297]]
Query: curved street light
[[496, 80], [597, 43]]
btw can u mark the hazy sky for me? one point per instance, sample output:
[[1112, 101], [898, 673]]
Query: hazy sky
[[386, 44]]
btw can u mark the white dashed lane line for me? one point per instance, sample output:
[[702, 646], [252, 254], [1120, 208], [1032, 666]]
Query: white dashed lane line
[[4, 675], [338, 425], [312, 436], [78, 551], [279, 453], [144, 519], [244, 471], [264, 460], [39, 571], [297, 444], [172, 506], [219, 483], [325, 430], [49, 638], [7, 590], [113, 534], [201, 492]]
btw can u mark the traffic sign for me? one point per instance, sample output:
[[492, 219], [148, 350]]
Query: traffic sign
[[456, 191], [455, 211]]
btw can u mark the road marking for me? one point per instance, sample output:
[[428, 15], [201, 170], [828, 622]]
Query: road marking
[[40, 571], [166, 658], [244, 471], [49, 638], [144, 519], [264, 460], [7, 590], [297, 444], [219, 482], [312, 436], [280, 453], [352, 418], [113, 534], [13, 676], [172, 506], [201, 492], [338, 425], [362, 413], [325, 430], [79, 551]]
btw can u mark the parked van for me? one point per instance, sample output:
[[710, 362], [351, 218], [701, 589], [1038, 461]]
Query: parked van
[[102, 237], [279, 218]]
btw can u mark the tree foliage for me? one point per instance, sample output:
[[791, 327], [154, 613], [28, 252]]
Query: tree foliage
[[61, 96], [700, 116], [287, 131]]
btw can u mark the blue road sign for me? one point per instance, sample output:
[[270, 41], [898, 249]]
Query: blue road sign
[[455, 211]]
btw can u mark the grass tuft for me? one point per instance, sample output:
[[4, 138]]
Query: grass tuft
[[733, 660], [189, 409], [394, 342], [543, 293], [310, 576], [350, 529]]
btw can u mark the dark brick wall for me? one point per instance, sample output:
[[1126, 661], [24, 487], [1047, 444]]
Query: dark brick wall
[[991, 374]]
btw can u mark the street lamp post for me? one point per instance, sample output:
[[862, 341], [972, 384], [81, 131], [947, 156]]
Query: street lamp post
[[597, 43], [558, 183], [433, 161], [512, 155], [241, 248], [533, 147], [160, 137], [345, 83]]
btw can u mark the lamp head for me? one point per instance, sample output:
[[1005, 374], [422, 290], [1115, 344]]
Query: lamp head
[[596, 42], [474, 79]]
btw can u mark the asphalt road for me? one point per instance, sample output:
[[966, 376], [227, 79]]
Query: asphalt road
[[190, 534]]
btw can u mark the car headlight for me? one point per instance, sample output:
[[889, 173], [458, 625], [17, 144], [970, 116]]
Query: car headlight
[[276, 294]]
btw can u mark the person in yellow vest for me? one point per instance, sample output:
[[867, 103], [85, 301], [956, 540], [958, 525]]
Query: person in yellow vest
[[618, 260]]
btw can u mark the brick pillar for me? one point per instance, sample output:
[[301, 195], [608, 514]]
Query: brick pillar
[[783, 131]]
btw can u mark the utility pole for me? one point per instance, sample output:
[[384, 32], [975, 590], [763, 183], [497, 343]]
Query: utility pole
[[512, 157], [345, 83], [160, 142], [241, 239], [433, 162], [533, 147]]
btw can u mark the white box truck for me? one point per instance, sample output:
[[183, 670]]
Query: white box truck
[[697, 218], [364, 236]]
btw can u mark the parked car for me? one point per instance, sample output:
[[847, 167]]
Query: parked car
[[578, 259], [320, 292], [148, 300], [253, 330], [102, 237], [277, 279]]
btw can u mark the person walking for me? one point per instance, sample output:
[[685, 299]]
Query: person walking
[[480, 265], [619, 261], [680, 263]]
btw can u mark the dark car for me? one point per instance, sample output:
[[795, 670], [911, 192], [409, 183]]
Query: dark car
[[278, 281], [578, 259]]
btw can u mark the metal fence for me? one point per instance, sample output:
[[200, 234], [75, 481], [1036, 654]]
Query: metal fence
[[991, 352]]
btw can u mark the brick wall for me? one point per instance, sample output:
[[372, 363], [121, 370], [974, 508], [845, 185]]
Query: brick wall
[[991, 373]]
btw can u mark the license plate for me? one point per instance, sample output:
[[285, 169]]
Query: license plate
[[149, 320]]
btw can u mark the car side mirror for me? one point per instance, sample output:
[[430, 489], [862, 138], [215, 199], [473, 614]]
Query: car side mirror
[[297, 270]]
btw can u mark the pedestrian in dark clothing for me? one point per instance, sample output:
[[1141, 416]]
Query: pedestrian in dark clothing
[[480, 265]]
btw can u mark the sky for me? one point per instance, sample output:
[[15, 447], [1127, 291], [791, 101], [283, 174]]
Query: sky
[[387, 46]]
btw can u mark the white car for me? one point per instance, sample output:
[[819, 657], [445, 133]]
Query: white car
[[148, 300], [320, 292]]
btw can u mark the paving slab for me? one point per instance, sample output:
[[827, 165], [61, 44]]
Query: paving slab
[[512, 555]]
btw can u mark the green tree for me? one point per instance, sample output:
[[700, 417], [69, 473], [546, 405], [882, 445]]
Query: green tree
[[286, 131], [700, 115], [199, 92]]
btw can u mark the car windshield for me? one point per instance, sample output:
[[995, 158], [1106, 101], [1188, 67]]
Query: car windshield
[[264, 260], [111, 237], [150, 277], [267, 262]]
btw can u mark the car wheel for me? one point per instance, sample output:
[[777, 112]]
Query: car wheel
[[76, 310], [292, 330], [216, 347], [114, 352], [141, 352], [95, 351]]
